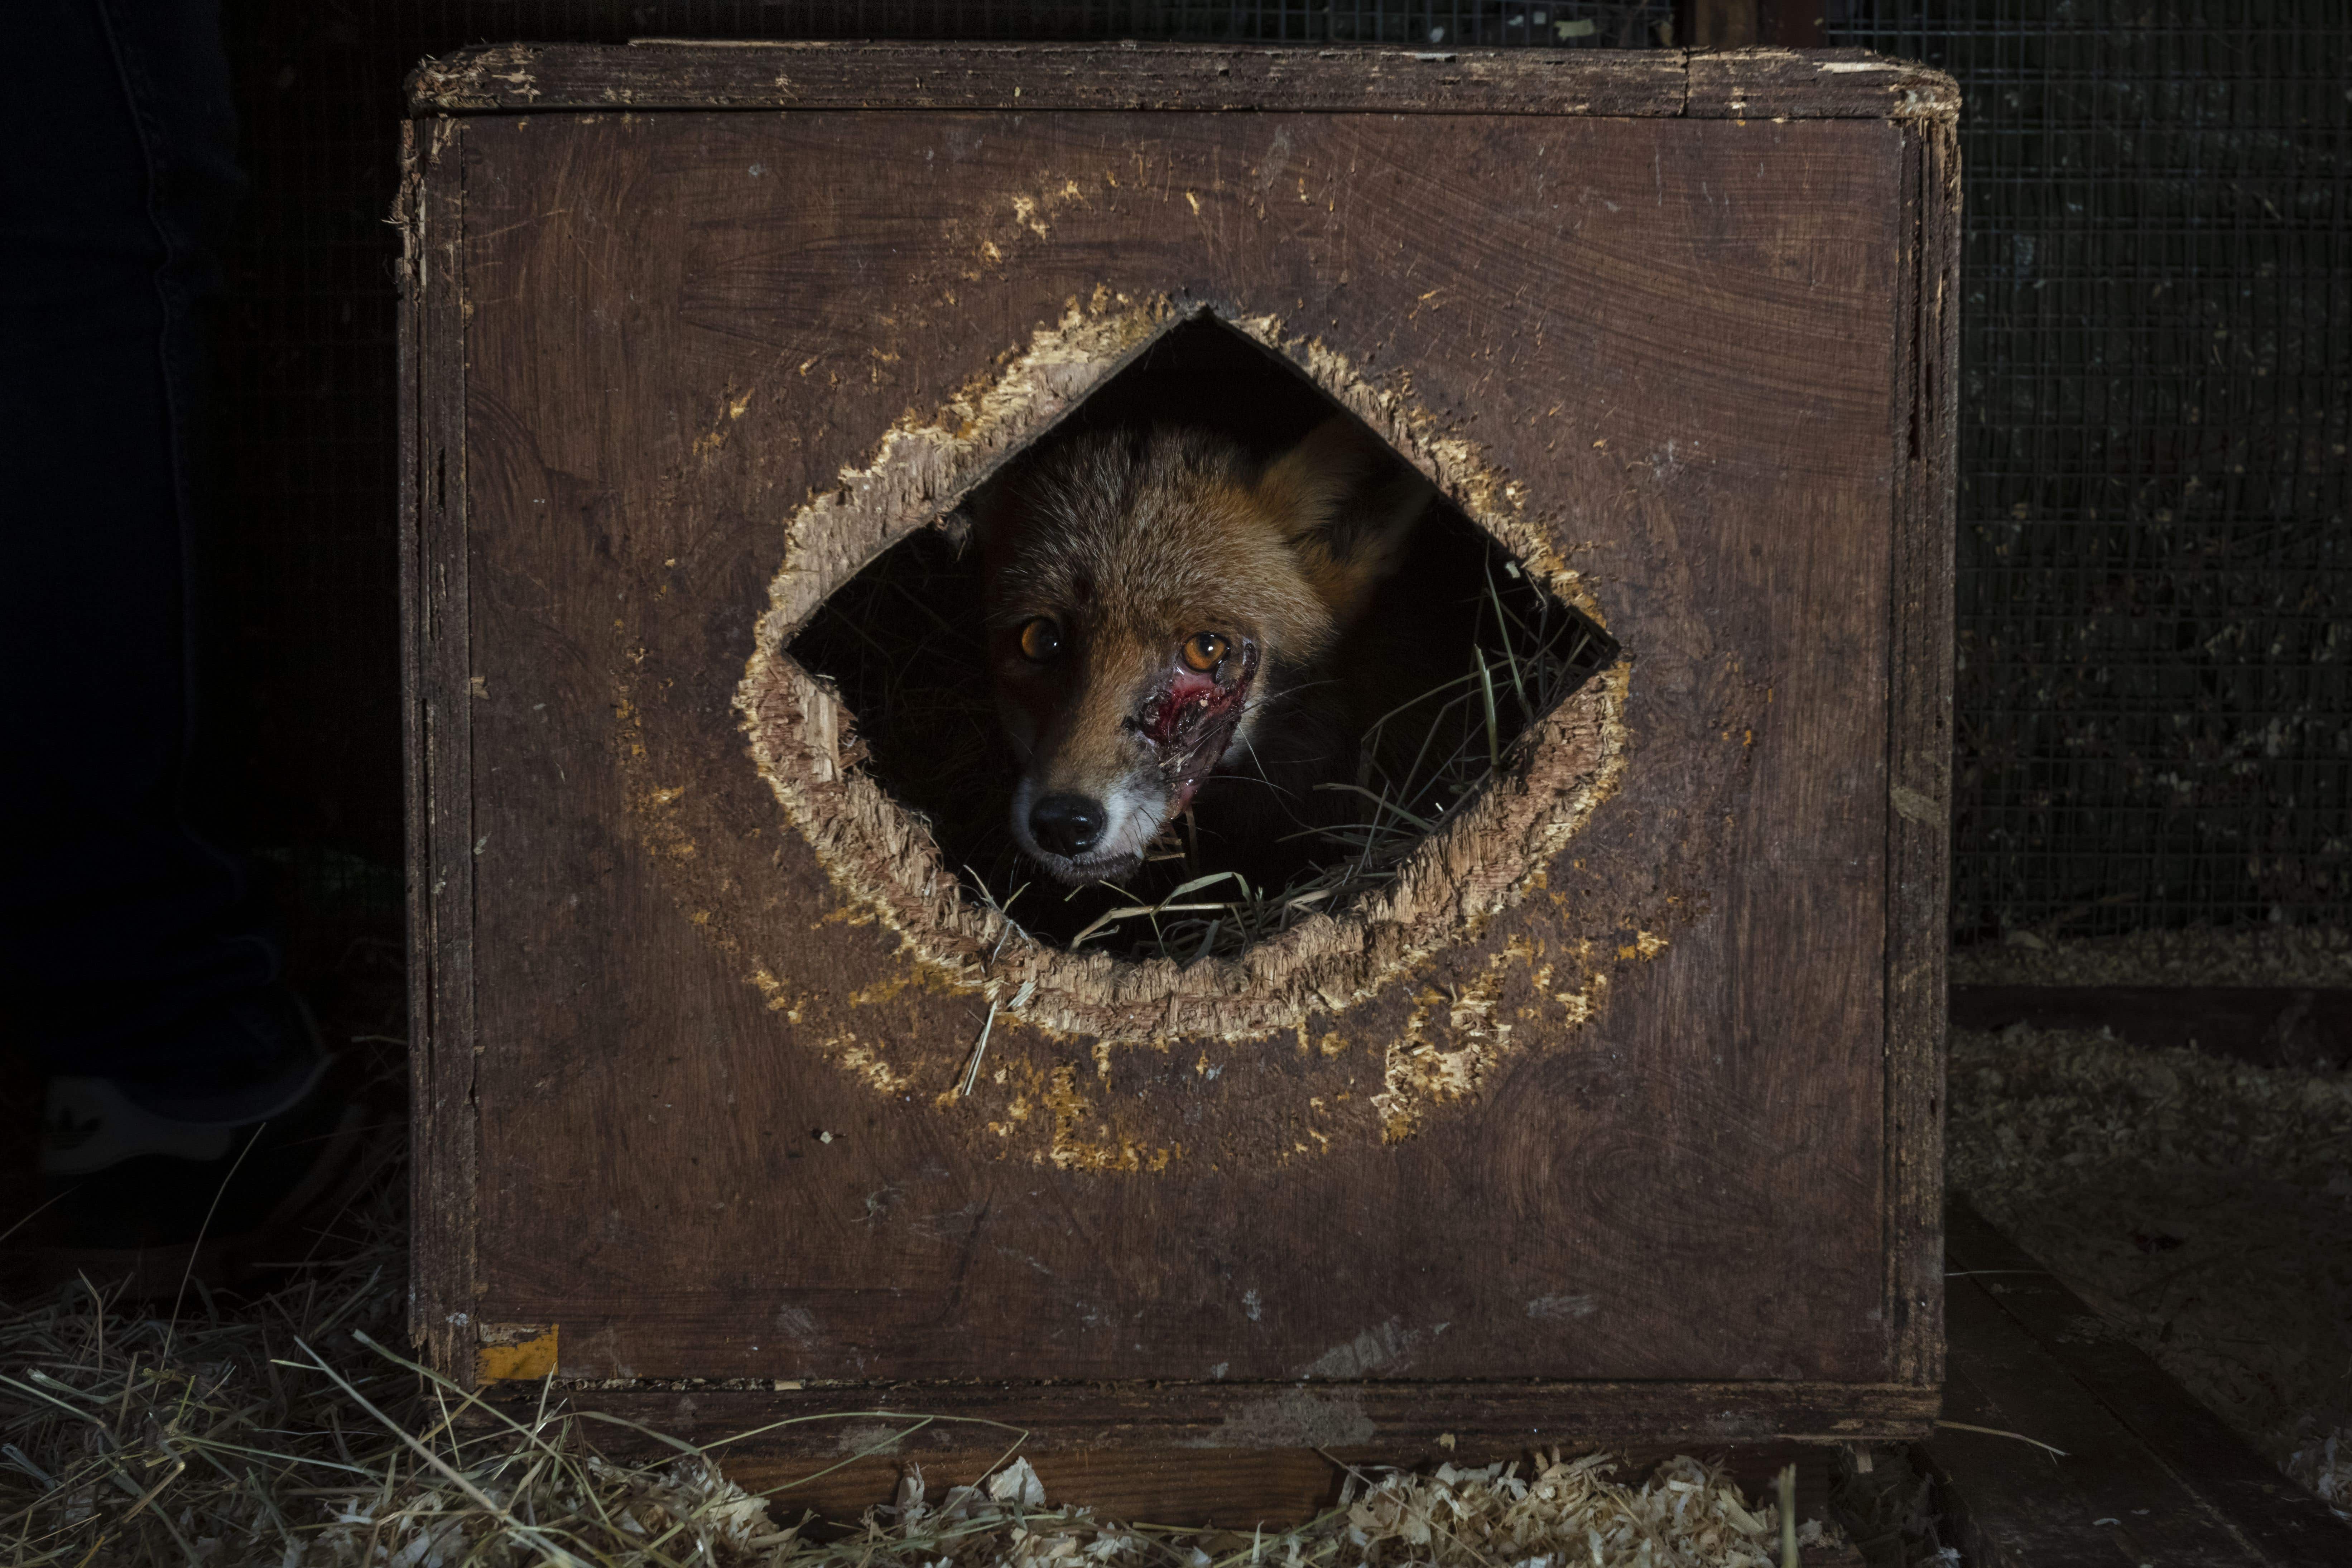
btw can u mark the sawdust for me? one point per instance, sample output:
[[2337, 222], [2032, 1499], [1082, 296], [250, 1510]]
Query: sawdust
[[882, 859]]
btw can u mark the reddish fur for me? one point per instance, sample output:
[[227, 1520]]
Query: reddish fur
[[1135, 541]]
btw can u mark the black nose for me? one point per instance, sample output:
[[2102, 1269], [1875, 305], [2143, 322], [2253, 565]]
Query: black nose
[[1066, 823]]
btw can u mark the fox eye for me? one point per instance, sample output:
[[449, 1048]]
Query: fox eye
[[1041, 640], [1204, 651]]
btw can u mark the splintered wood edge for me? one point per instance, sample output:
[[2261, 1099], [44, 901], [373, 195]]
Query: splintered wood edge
[[437, 717], [1920, 742], [675, 74], [878, 854]]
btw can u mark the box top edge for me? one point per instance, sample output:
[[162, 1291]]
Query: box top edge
[[670, 75]]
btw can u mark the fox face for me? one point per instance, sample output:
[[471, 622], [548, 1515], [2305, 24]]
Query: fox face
[[1153, 596]]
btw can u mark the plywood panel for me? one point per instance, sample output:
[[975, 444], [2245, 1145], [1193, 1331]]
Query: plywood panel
[[709, 1088]]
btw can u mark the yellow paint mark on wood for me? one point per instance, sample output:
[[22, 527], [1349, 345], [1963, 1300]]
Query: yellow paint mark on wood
[[528, 1358]]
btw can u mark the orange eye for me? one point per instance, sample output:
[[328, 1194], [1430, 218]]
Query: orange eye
[[1041, 640], [1204, 651]]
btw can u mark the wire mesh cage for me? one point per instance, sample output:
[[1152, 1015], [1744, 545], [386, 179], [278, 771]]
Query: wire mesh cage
[[2155, 711], [2155, 699]]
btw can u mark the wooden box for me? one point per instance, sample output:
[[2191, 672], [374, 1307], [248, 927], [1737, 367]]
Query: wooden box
[[1618, 1121]]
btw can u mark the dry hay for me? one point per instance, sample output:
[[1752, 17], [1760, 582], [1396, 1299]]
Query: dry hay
[[2202, 1206], [287, 1432]]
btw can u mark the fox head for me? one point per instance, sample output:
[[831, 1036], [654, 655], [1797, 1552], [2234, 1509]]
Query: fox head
[[1148, 593]]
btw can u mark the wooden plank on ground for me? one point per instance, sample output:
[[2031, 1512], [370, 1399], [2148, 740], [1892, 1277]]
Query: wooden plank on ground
[[1404, 1419], [2310, 1029], [1224, 1488], [2146, 1476]]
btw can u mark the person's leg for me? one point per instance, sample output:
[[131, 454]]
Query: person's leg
[[135, 966]]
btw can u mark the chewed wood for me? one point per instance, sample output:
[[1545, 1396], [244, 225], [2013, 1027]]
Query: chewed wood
[[1647, 1141], [1485, 859]]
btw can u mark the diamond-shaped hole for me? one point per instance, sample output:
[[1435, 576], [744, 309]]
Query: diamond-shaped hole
[[904, 646]]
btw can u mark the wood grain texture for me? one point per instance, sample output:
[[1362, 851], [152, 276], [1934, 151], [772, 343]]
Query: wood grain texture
[[639, 1076], [437, 652], [2148, 1474], [526, 78], [1206, 1489], [709, 1139], [2309, 1030], [1792, 84], [1919, 746]]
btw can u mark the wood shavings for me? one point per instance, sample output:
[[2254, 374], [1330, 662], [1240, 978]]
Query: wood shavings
[[1487, 860], [1562, 1511]]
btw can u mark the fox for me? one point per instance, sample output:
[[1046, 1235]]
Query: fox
[[1168, 619]]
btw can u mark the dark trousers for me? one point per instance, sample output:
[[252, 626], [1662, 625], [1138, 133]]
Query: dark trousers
[[123, 931]]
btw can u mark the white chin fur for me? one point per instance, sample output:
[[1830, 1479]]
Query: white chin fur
[[1136, 808]]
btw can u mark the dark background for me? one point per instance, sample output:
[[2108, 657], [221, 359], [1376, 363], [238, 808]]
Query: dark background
[[2155, 694]]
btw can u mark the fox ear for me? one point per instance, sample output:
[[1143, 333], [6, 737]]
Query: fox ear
[[993, 522], [1347, 505]]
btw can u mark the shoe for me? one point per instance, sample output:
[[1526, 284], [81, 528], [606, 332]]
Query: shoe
[[156, 1192]]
